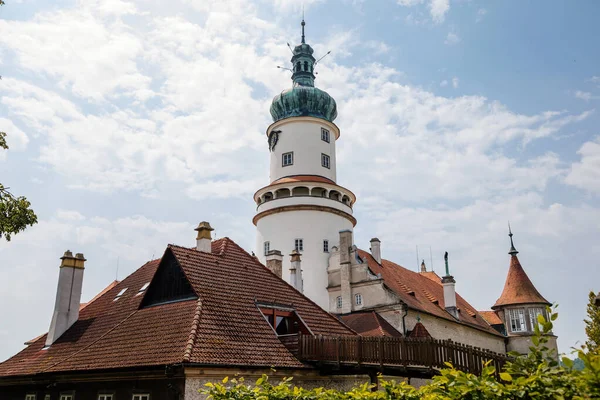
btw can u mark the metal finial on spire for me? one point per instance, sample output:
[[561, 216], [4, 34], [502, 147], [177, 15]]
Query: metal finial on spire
[[513, 251], [303, 23]]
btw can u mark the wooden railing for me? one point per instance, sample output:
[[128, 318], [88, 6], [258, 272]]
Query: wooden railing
[[393, 351]]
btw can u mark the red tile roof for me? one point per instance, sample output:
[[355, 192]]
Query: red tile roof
[[419, 331], [369, 323], [423, 294], [518, 288], [223, 326], [491, 317]]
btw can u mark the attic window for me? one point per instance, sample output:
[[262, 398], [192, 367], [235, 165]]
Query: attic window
[[118, 296], [143, 288], [283, 320]]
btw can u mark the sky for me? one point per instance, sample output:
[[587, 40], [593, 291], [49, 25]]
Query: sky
[[131, 121]]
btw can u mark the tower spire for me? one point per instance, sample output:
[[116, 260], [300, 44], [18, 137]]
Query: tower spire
[[513, 251], [303, 23]]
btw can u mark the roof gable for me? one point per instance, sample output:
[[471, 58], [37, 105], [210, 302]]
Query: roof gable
[[169, 283]]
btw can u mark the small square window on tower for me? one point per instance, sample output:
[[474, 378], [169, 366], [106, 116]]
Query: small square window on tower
[[324, 135], [267, 247], [325, 246], [325, 160], [299, 245], [287, 159]]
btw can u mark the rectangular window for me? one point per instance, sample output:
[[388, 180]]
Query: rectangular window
[[325, 160], [299, 245], [324, 135], [30, 397], [358, 299], [338, 302], [105, 397], [533, 313], [325, 246], [517, 320], [66, 397], [267, 246], [287, 158], [144, 396]]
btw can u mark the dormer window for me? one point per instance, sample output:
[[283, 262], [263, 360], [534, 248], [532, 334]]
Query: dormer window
[[283, 319], [143, 288]]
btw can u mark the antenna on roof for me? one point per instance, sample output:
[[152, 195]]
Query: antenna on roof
[[417, 249], [431, 258], [117, 273]]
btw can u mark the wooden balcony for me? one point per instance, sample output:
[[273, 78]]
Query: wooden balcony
[[422, 356]]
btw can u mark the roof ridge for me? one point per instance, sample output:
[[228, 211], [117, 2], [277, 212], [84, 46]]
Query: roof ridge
[[193, 332]]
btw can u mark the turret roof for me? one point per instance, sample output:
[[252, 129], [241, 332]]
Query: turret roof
[[518, 288]]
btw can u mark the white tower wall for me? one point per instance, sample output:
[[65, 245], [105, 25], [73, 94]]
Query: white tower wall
[[281, 229], [302, 136]]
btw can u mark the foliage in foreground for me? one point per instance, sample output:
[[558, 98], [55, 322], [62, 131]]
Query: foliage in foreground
[[538, 375], [15, 212], [592, 324]]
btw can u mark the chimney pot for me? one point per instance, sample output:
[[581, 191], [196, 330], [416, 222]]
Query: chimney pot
[[449, 284], [204, 239]]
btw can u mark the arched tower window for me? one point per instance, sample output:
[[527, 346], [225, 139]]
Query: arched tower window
[[306, 66], [298, 66]]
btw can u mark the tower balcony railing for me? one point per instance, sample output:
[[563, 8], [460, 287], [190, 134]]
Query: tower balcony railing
[[336, 194], [299, 199]]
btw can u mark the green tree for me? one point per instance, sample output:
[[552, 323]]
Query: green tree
[[15, 212], [592, 324]]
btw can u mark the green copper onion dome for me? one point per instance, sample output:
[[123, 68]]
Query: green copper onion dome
[[303, 99]]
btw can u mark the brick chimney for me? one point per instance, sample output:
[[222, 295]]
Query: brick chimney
[[296, 271], [68, 295], [376, 249], [203, 239], [274, 262], [449, 284]]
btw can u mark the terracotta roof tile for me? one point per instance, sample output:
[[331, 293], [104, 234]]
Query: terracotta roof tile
[[223, 326], [369, 323], [518, 288], [419, 292], [419, 331], [491, 317]]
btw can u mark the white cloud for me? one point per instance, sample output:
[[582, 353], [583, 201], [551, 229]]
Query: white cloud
[[16, 139], [480, 14], [452, 39], [585, 174], [437, 8], [587, 96], [455, 82], [444, 83]]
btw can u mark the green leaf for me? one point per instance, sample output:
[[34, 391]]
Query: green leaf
[[225, 379], [505, 376], [541, 319]]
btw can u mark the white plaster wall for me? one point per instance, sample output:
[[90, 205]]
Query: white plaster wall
[[281, 229], [440, 328], [302, 135]]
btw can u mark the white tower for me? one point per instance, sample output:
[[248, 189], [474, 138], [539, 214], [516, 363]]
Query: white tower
[[303, 208]]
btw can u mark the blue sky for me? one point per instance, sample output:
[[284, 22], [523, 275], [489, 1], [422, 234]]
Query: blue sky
[[131, 121]]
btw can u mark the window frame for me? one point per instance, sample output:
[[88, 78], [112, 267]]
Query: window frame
[[532, 314], [339, 302], [358, 299], [325, 159], [30, 396], [67, 396], [283, 155], [325, 136], [517, 315], [299, 245], [106, 396], [325, 246], [266, 246], [140, 396]]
